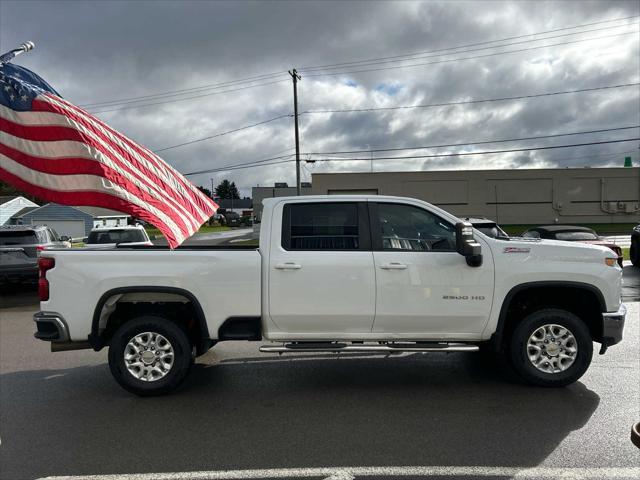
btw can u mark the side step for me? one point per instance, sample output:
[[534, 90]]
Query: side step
[[386, 347]]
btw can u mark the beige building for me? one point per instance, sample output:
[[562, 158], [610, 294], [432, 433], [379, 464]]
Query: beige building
[[278, 190], [531, 196]]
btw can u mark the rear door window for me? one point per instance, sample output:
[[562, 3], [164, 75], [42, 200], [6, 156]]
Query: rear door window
[[323, 226]]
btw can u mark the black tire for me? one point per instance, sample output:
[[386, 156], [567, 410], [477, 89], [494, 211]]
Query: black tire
[[182, 358], [634, 253], [518, 348]]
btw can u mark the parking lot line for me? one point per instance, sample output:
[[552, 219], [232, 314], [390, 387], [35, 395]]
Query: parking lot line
[[348, 473]]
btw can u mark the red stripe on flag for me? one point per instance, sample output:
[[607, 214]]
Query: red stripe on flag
[[79, 166], [41, 133], [145, 177], [97, 199], [206, 205]]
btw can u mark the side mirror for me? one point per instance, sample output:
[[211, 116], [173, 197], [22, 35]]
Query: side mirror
[[64, 238], [466, 245]]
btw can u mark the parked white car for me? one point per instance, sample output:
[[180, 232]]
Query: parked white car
[[108, 237], [337, 274]]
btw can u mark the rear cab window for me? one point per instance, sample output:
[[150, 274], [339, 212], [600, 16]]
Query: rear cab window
[[325, 226], [117, 236]]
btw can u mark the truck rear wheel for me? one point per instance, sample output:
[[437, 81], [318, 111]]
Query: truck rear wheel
[[551, 348], [150, 355]]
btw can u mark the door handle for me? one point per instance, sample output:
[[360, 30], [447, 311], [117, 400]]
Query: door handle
[[288, 266], [393, 266]]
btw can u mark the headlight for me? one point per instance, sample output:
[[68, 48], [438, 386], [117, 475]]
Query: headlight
[[612, 262]]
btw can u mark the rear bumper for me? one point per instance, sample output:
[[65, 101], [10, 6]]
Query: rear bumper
[[51, 327], [612, 327]]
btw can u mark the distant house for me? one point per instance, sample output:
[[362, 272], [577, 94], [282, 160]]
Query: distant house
[[69, 221], [103, 217], [242, 206], [11, 205]]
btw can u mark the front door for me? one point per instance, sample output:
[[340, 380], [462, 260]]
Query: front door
[[425, 289], [321, 275]]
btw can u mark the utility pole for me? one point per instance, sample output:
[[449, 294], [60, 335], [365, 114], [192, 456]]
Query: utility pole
[[212, 191], [295, 77]]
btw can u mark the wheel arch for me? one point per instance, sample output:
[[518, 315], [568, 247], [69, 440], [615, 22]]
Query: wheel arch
[[97, 338], [519, 291]]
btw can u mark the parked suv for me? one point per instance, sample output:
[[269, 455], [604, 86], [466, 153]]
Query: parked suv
[[634, 251], [19, 247], [112, 236]]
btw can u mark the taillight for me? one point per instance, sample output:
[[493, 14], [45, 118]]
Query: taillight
[[40, 248], [44, 264]]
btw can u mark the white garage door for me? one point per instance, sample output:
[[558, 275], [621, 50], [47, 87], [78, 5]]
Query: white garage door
[[70, 228]]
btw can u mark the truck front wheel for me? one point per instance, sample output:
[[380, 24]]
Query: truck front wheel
[[150, 355], [551, 348]]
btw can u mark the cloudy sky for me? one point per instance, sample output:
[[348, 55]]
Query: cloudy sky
[[167, 73]]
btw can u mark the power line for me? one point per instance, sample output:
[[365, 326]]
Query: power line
[[409, 157], [262, 163], [222, 133], [243, 165], [318, 67], [172, 93], [468, 102], [484, 142], [468, 58], [188, 98], [482, 48]]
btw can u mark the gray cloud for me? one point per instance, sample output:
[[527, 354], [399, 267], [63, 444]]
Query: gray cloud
[[97, 51]]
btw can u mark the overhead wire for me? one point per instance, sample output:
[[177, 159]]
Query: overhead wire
[[462, 154], [188, 98], [473, 57], [483, 142], [317, 67], [468, 102], [485, 48], [173, 93], [209, 137]]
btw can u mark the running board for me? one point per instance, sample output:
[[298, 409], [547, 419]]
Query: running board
[[389, 347]]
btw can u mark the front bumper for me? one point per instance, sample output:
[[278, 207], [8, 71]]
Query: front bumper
[[612, 327]]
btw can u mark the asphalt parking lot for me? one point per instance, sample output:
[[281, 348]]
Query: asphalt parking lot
[[406, 416]]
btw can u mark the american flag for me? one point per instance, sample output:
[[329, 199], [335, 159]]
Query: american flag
[[56, 151]]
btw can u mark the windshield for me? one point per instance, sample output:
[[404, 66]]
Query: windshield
[[576, 236], [18, 238], [492, 231], [117, 236]]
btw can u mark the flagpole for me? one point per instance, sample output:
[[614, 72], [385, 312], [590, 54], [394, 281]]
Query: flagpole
[[10, 55]]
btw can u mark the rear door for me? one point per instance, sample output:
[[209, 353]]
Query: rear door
[[425, 289], [321, 274]]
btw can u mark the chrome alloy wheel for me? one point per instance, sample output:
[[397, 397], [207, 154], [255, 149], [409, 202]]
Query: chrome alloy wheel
[[552, 348], [148, 356]]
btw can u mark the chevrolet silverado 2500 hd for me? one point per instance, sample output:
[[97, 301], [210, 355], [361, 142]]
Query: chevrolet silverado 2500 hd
[[338, 274]]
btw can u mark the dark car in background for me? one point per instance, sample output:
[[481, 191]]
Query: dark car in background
[[488, 227], [569, 233], [19, 247], [634, 251]]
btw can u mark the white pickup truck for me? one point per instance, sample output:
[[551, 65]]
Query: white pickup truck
[[337, 274]]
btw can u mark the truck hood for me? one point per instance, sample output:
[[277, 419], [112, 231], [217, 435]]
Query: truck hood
[[555, 250]]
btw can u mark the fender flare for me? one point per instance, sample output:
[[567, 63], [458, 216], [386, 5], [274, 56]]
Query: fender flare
[[497, 336], [96, 340]]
